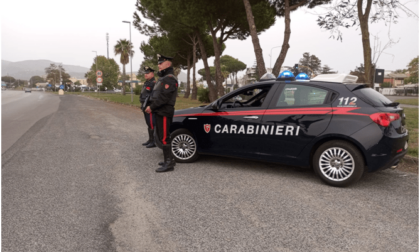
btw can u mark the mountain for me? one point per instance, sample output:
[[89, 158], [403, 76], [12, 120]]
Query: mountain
[[26, 69]]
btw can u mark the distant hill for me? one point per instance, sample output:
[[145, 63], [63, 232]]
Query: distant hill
[[26, 69]]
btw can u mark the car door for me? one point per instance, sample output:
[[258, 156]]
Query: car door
[[231, 130], [297, 114]]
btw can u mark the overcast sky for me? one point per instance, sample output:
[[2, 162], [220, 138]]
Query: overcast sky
[[68, 32]]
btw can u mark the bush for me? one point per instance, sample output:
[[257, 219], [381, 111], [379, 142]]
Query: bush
[[138, 89], [203, 95], [386, 85]]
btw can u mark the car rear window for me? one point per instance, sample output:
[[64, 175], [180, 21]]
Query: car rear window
[[372, 97]]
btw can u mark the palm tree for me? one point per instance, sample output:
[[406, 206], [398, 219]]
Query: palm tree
[[125, 49]]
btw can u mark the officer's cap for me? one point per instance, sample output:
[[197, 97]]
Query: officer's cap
[[162, 58], [148, 69]]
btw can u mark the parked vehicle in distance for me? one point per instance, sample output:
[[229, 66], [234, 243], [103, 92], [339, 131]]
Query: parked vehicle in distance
[[28, 90]]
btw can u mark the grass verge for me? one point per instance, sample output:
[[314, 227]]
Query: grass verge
[[409, 101], [412, 124], [181, 103]]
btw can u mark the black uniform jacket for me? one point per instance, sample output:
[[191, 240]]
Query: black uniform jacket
[[164, 95], [147, 90]]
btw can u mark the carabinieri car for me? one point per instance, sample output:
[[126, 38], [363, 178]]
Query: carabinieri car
[[339, 128]]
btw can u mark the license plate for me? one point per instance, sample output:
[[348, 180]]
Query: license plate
[[406, 145]]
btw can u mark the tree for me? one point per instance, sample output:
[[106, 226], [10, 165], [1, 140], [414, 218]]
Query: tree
[[360, 73], [309, 64], [413, 69], [224, 24], [283, 9], [349, 13], [110, 72], [54, 72], [124, 48], [77, 83], [326, 70], [232, 66], [36, 79], [224, 20], [8, 79], [255, 41]]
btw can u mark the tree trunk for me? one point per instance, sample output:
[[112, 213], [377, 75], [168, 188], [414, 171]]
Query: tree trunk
[[236, 75], [367, 51], [187, 91], [123, 81], [219, 77], [194, 91], [285, 46], [212, 88], [255, 41]]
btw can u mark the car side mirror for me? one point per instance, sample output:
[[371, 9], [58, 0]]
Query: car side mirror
[[216, 105]]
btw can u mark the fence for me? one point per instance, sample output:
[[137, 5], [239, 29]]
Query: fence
[[406, 90]]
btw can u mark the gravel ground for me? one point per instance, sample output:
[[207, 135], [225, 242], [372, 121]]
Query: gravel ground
[[79, 180]]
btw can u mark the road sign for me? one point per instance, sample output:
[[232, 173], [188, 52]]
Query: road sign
[[61, 86], [99, 80], [99, 73], [99, 84]]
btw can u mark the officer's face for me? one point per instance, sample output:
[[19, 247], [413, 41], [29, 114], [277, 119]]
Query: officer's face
[[148, 76], [164, 65]]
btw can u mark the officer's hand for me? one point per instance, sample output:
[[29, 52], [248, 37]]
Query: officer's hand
[[148, 110]]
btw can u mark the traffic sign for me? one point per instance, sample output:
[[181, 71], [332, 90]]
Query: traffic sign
[[61, 87], [99, 80], [99, 73]]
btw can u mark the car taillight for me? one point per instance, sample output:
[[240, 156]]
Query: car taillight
[[384, 119]]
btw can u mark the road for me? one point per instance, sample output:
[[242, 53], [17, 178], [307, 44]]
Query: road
[[79, 180], [20, 110]]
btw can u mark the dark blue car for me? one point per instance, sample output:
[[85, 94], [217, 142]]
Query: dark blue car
[[339, 128]]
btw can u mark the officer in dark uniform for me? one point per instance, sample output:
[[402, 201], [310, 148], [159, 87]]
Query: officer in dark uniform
[[163, 102], [146, 92]]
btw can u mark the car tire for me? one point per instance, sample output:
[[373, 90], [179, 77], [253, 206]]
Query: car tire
[[183, 146], [338, 163]]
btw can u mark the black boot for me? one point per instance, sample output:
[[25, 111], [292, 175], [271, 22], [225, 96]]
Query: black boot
[[169, 160], [150, 137], [152, 140]]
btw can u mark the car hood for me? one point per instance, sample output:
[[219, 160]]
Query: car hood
[[189, 111]]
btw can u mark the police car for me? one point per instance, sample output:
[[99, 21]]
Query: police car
[[329, 123]]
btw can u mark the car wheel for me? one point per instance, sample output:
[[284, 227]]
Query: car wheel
[[338, 163], [183, 146]]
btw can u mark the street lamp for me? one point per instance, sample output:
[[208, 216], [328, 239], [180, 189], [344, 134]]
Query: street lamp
[[131, 63], [96, 68], [271, 52]]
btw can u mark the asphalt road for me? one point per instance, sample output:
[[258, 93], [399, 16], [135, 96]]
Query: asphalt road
[[79, 180], [20, 110]]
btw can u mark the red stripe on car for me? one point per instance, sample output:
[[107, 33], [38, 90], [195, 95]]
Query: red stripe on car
[[291, 111]]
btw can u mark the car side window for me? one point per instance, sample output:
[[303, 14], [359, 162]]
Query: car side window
[[301, 95], [252, 97]]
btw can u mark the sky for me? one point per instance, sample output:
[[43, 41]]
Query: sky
[[68, 32]]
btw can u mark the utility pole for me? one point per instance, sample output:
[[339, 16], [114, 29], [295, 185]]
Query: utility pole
[[107, 45]]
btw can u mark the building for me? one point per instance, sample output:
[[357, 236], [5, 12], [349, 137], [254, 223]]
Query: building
[[82, 81], [396, 79]]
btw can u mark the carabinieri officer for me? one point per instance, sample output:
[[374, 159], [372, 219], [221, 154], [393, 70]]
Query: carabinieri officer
[[145, 93], [163, 102]]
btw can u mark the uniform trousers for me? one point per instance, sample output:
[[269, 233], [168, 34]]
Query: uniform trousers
[[163, 125], [150, 120]]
